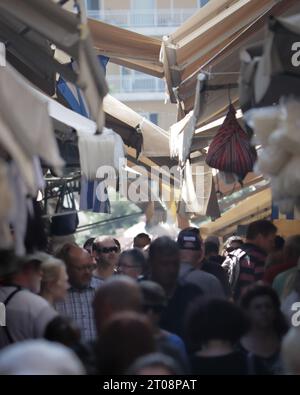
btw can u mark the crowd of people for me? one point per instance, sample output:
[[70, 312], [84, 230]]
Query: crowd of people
[[164, 306]]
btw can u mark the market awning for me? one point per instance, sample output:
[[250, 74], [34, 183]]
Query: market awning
[[29, 27], [255, 207], [127, 48], [223, 65]]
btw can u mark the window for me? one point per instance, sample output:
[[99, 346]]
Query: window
[[93, 5], [152, 117], [143, 4], [202, 3], [142, 12]]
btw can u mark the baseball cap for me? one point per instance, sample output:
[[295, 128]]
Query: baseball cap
[[189, 239]]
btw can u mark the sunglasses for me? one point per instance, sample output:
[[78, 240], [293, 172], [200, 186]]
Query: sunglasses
[[107, 250]]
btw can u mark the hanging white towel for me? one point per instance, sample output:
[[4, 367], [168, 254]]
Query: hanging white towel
[[106, 149], [26, 116]]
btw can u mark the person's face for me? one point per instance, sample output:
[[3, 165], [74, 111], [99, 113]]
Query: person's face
[[80, 268], [141, 242], [267, 243], [107, 253], [262, 312], [193, 257], [165, 269], [128, 267], [60, 286]]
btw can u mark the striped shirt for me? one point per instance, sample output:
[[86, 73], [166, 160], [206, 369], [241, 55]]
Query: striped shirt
[[78, 306], [252, 267]]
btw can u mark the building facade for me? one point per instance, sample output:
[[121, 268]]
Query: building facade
[[143, 93]]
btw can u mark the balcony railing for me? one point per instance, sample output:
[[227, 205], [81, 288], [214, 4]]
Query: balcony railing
[[134, 84], [144, 18]]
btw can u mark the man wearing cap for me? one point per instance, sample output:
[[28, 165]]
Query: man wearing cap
[[191, 257], [27, 314]]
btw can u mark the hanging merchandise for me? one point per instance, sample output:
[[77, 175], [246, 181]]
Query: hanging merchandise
[[231, 150], [278, 69], [65, 220], [249, 60], [100, 155], [94, 196], [25, 115], [35, 238], [7, 201], [198, 195], [96, 151], [277, 131], [181, 134]]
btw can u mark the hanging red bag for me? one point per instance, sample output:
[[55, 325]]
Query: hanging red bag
[[231, 150]]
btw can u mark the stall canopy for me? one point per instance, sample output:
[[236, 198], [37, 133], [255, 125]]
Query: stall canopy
[[210, 40], [127, 48], [255, 207], [30, 28]]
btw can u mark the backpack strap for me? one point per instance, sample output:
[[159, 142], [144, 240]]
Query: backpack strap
[[6, 301]]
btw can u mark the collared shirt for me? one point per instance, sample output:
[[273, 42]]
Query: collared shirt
[[78, 306]]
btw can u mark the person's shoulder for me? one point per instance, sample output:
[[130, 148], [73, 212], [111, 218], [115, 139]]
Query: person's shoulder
[[207, 276], [96, 282], [283, 275], [35, 299], [32, 303]]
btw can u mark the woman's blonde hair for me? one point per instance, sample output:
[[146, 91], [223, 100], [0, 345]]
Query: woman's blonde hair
[[50, 270]]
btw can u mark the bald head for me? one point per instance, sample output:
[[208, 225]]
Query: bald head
[[117, 294], [106, 252], [79, 265]]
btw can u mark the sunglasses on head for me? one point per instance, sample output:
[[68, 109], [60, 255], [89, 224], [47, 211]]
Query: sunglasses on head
[[107, 250]]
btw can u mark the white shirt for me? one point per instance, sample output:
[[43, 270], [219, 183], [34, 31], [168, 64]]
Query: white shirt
[[27, 315]]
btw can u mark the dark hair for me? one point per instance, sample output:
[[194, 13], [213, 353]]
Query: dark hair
[[125, 337], [214, 319], [117, 243], [154, 296], [89, 243], [292, 247], [137, 256], [142, 236], [258, 290], [163, 246], [211, 247], [261, 227], [279, 243], [62, 330]]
